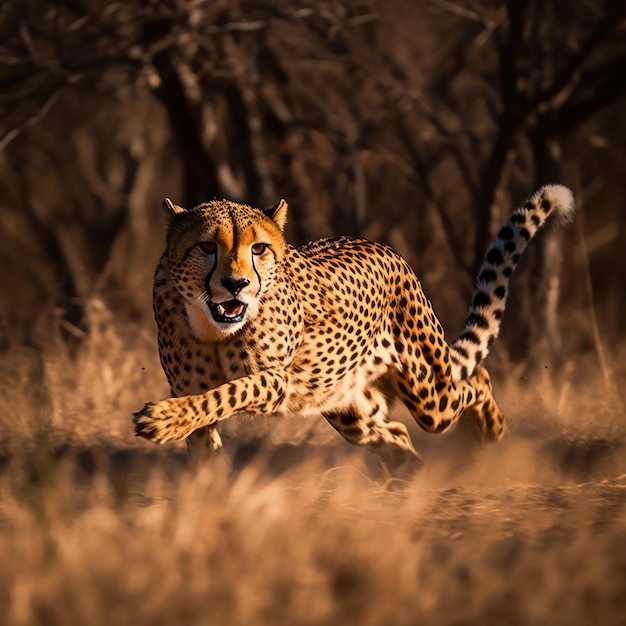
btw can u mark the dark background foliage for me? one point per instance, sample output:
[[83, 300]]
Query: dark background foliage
[[419, 123]]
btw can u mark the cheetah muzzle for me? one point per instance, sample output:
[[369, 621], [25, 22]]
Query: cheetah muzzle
[[335, 328]]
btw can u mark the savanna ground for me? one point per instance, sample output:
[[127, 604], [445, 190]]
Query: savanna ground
[[99, 528]]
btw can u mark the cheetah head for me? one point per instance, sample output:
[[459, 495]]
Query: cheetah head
[[222, 257]]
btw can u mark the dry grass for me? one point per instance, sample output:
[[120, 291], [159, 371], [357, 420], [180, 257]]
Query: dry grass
[[97, 528]]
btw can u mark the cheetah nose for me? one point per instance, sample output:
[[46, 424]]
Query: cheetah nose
[[235, 285]]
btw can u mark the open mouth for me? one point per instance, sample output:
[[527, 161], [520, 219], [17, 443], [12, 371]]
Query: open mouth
[[228, 312]]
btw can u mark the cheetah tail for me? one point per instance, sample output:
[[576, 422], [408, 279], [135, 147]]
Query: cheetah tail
[[482, 324]]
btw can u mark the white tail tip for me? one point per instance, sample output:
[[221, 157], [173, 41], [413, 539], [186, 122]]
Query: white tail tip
[[562, 200]]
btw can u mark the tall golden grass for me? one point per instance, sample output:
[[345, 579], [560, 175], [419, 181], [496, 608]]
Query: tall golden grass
[[99, 528]]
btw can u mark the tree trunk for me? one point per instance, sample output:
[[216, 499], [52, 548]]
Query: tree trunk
[[540, 338], [200, 181], [495, 178]]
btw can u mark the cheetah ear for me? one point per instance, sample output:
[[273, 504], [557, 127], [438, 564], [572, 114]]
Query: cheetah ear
[[171, 211], [278, 213]]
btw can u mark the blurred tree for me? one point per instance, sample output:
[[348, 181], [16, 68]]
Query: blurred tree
[[520, 79], [410, 122], [560, 66]]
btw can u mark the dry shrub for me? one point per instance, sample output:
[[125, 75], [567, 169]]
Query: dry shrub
[[83, 396], [97, 528]]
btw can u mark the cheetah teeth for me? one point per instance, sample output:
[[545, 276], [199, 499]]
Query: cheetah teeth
[[234, 312], [229, 312]]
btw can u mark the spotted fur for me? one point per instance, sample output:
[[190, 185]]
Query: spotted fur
[[247, 323]]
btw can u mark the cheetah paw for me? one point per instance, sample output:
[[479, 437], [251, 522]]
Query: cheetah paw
[[161, 422]]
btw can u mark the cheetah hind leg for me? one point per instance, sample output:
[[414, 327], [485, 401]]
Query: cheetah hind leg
[[484, 415], [366, 425]]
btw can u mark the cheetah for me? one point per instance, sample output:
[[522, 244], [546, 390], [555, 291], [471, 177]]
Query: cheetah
[[339, 327]]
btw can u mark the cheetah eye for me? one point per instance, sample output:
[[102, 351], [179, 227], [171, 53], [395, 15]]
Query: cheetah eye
[[208, 247], [259, 248]]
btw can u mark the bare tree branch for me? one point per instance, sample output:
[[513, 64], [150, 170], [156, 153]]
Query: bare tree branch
[[33, 119]]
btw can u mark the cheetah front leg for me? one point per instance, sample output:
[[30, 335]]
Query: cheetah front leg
[[202, 443], [365, 424], [177, 418]]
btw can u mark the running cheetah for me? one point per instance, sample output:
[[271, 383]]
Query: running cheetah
[[248, 323]]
